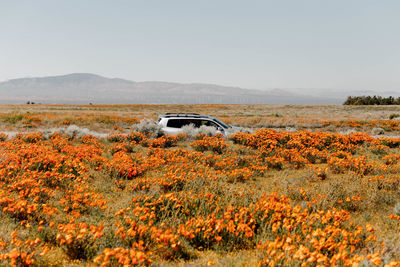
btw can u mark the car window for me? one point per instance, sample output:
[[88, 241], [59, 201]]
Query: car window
[[209, 123], [174, 123], [222, 124], [179, 123]]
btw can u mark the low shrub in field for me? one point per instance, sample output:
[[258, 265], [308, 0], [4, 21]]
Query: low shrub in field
[[358, 165], [377, 131], [215, 144], [122, 166], [20, 251], [13, 118], [137, 255], [116, 137], [393, 116], [78, 239], [148, 127], [391, 159], [231, 131], [3, 137], [136, 137], [164, 141], [390, 142], [74, 131], [193, 131]]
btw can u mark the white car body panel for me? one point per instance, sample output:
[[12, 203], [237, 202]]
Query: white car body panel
[[171, 131]]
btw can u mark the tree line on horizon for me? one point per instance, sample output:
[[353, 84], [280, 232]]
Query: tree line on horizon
[[372, 100]]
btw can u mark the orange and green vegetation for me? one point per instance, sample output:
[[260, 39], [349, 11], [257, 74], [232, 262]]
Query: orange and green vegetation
[[105, 118], [268, 198]]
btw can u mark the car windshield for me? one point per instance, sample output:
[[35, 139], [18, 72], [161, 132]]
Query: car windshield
[[222, 124]]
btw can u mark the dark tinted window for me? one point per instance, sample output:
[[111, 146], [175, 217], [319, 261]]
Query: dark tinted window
[[174, 123], [178, 123], [209, 123]]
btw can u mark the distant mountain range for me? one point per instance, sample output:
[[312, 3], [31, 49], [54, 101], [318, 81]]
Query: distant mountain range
[[84, 88]]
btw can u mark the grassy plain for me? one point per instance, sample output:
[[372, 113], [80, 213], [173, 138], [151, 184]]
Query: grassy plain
[[101, 117], [310, 186]]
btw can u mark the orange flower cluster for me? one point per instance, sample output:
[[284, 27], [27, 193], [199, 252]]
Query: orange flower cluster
[[312, 237], [135, 256], [77, 238], [33, 171], [302, 148], [123, 166], [131, 199], [21, 252], [212, 143], [391, 125]]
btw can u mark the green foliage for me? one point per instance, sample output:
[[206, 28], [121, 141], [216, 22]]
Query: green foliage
[[393, 116], [372, 100], [14, 118]]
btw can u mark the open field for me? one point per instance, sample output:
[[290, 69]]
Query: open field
[[110, 118], [319, 186]]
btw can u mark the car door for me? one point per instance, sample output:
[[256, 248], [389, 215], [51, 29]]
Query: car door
[[173, 126]]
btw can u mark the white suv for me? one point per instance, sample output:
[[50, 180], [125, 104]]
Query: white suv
[[172, 123]]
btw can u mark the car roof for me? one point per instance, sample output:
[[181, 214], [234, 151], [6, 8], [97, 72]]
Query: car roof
[[185, 115]]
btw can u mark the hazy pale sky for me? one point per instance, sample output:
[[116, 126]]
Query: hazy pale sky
[[337, 44]]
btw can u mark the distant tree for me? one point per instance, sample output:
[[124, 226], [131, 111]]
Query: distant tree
[[28, 103], [349, 101], [372, 100]]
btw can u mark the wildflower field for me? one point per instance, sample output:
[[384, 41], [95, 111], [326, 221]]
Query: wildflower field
[[310, 196]]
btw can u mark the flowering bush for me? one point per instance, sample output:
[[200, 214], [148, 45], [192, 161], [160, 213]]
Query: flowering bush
[[216, 144]]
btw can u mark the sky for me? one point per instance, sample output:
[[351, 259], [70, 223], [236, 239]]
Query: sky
[[337, 45]]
